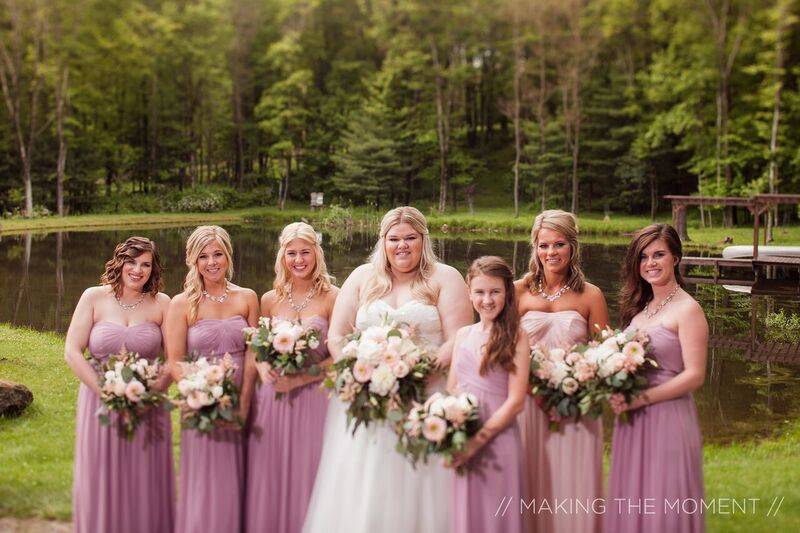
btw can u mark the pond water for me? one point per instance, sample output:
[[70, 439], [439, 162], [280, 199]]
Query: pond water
[[748, 391]]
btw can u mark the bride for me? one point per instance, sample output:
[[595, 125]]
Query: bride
[[363, 484]]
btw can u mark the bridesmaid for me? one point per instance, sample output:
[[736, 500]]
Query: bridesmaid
[[490, 361], [206, 319], [121, 485], [659, 454], [285, 440], [558, 308]]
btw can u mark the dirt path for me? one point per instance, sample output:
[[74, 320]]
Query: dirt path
[[33, 525]]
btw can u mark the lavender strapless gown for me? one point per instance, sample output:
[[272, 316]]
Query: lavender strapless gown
[[283, 450], [658, 456], [563, 469], [211, 475], [494, 474], [122, 485]]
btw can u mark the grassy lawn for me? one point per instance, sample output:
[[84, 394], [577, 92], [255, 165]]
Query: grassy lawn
[[37, 448]]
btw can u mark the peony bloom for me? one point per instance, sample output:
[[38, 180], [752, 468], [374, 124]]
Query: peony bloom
[[401, 369], [557, 354], [434, 429], [134, 390], [185, 387], [584, 371], [573, 357], [569, 386], [119, 388], [453, 411], [382, 381], [362, 371], [284, 342], [214, 374], [559, 372], [370, 351], [437, 407], [432, 398], [376, 334]]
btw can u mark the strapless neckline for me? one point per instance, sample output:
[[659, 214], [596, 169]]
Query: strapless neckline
[[403, 305], [220, 319], [536, 311], [126, 327]]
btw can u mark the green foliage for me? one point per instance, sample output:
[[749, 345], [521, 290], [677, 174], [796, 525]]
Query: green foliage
[[783, 327]]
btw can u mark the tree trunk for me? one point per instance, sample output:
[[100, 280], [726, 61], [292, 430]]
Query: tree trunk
[[776, 113], [519, 69], [62, 91], [442, 125]]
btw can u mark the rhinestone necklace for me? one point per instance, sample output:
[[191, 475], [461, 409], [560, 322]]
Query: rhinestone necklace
[[218, 299], [304, 304], [129, 307], [552, 298], [664, 302]]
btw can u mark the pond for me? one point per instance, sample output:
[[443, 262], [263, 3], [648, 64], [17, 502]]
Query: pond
[[747, 392]]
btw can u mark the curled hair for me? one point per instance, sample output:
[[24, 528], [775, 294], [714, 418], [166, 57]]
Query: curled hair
[[567, 225], [125, 252], [320, 277], [380, 281], [636, 292], [501, 346], [193, 285]]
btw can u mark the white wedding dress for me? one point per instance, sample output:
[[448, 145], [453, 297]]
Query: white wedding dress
[[363, 484]]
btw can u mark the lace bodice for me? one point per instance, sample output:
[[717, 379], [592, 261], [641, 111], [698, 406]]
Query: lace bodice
[[424, 318]]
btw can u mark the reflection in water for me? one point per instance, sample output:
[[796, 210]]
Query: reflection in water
[[745, 391]]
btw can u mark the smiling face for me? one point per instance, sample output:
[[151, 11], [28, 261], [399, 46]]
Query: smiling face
[[136, 271], [488, 295], [657, 263], [553, 251], [403, 246], [299, 258], [212, 263]]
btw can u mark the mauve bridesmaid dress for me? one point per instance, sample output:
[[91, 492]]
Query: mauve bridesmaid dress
[[211, 475], [657, 458], [563, 469], [494, 475], [121, 485], [283, 450]]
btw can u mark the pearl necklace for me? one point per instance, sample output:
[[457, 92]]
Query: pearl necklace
[[304, 304], [218, 299], [552, 298], [129, 307], [660, 306]]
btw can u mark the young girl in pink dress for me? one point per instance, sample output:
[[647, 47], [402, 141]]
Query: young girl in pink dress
[[490, 361]]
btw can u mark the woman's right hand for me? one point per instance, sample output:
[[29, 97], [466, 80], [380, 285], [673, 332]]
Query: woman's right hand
[[265, 372]]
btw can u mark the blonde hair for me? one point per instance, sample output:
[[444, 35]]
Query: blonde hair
[[567, 225], [193, 285], [322, 280], [380, 281]]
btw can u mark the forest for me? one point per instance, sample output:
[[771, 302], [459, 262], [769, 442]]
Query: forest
[[588, 105]]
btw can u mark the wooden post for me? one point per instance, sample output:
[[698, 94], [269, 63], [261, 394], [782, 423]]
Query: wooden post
[[679, 219], [756, 217]]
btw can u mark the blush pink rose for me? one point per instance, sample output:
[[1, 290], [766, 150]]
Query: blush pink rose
[[401, 369], [434, 428], [284, 342], [134, 390], [362, 371]]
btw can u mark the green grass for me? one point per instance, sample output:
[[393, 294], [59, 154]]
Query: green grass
[[37, 448]]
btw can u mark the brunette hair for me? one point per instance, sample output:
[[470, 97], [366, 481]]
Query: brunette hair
[[567, 225], [636, 292], [127, 251], [501, 347]]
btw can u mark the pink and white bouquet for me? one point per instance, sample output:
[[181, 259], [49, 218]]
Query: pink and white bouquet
[[560, 380], [442, 426], [283, 344], [381, 372], [207, 393], [619, 357], [126, 387]]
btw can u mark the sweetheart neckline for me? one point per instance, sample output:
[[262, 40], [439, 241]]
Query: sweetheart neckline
[[218, 319], [124, 326], [393, 308]]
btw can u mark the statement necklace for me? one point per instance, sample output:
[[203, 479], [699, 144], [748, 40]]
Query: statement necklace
[[306, 301], [129, 307], [552, 298], [218, 299], [660, 306]]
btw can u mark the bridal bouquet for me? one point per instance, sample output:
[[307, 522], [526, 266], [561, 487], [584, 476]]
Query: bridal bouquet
[[382, 371], [284, 345], [207, 393], [442, 425], [126, 386], [619, 358]]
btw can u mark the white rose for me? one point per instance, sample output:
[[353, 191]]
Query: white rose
[[216, 391], [382, 380], [401, 369], [110, 375], [313, 343], [119, 388], [184, 387], [375, 334], [437, 407], [611, 365], [560, 371], [569, 386], [350, 349], [370, 351], [557, 354], [453, 411], [622, 338]]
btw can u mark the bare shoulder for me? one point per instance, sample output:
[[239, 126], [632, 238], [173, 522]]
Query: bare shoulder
[[269, 297], [690, 309], [360, 273], [179, 301], [446, 274], [592, 291], [332, 293], [162, 299]]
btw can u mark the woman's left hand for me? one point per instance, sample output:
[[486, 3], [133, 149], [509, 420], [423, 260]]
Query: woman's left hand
[[284, 384], [463, 457]]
